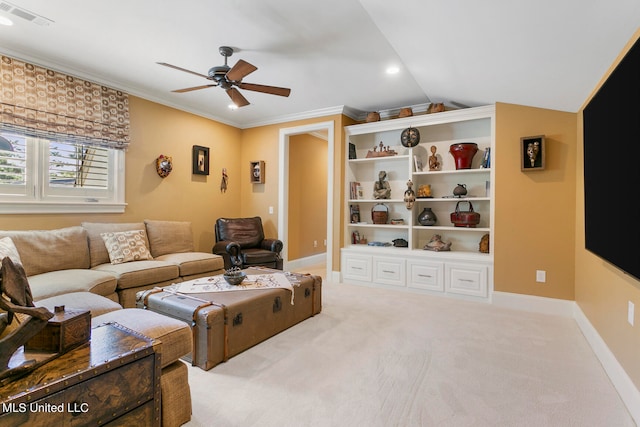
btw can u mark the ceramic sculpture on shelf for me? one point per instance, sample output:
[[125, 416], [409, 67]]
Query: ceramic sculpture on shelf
[[434, 164], [381, 188], [437, 245]]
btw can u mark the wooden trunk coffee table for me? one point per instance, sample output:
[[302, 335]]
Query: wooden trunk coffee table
[[229, 322]]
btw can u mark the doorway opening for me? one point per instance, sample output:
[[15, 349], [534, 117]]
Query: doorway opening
[[321, 129]]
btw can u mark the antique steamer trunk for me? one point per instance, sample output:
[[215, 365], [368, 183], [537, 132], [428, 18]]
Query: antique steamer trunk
[[227, 323]]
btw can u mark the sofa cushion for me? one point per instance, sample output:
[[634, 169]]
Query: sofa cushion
[[126, 246], [97, 304], [191, 263], [97, 249], [168, 237], [42, 251], [174, 334], [59, 282], [8, 249], [140, 273]]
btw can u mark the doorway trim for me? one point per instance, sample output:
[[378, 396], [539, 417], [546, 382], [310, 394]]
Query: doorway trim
[[283, 184]]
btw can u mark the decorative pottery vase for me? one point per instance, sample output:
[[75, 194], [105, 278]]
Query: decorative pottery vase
[[427, 217], [463, 154], [460, 190]]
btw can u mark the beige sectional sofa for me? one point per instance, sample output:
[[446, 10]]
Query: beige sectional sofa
[[73, 267], [75, 259]]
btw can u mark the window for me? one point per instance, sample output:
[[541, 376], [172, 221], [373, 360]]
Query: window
[[39, 175]]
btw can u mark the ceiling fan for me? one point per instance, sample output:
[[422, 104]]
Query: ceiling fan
[[227, 77]]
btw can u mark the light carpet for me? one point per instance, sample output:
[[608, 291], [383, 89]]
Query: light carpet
[[377, 357]]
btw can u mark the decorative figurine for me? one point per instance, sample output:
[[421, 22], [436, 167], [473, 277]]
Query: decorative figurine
[[409, 195], [225, 181], [434, 164], [381, 151], [436, 244], [381, 188], [424, 191], [16, 297], [532, 152]]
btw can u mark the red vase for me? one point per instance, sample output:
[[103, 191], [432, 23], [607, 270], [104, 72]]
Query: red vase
[[463, 154]]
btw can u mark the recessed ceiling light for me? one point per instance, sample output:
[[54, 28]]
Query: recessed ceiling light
[[5, 21], [233, 107], [393, 69]]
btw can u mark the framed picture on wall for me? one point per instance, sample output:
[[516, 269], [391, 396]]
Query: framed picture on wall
[[532, 153], [200, 160], [257, 171]]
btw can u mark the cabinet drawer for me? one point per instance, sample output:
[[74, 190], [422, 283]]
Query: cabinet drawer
[[357, 267], [388, 271], [426, 275], [467, 279]]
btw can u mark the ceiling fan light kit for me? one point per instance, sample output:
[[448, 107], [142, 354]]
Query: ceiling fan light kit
[[230, 78]]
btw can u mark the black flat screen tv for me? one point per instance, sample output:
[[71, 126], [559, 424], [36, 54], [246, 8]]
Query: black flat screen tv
[[612, 167]]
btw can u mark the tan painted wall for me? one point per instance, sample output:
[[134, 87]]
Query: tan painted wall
[[261, 143], [155, 130], [307, 196], [535, 211], [603, 291]]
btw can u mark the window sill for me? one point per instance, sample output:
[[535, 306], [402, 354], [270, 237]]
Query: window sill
[[7, 208]]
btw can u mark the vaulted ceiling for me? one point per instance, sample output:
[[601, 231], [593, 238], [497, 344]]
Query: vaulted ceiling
[[331, 53]]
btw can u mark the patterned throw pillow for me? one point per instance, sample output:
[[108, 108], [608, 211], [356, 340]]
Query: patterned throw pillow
[[125, 246], [8, 249]]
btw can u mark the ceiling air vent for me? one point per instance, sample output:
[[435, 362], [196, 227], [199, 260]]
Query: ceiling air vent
[[24, 14]]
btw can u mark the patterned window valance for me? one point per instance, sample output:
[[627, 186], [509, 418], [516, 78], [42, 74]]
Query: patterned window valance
[[49, 104]]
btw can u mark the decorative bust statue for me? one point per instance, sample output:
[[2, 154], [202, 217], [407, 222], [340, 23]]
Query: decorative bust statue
[[381, 188]]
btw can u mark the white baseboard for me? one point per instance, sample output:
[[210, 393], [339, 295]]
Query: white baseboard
[[300, 263], [552, 306], [627, 390]]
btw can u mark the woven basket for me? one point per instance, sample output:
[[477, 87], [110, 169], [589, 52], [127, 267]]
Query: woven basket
[[379, 216]]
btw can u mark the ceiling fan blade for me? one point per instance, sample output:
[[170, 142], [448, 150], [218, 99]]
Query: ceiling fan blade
[[189, 89], [241, 69], [273, 90], [183, 69], [237, 97]]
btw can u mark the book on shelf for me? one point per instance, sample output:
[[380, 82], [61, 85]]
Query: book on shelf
[[418, 163], [355, 191], [354, 210], [486, 159]]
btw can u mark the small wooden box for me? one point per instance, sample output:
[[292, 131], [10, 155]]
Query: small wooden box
[[65, 330]]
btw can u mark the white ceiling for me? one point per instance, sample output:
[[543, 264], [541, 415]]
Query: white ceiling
[[333, 53]]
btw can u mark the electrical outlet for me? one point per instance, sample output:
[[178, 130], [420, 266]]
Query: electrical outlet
[[325, 243], [631, 313], [541, 276], [271, 209], [315, 243]]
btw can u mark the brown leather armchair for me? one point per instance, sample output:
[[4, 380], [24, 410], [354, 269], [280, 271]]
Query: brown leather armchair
[[241, 243]]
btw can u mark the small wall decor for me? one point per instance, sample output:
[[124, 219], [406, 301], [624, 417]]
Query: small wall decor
[[532, 153], [225, 181], [200, 160], [257, 171], [164, 165]]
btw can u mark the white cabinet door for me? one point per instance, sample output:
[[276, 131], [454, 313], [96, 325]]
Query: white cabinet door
[[356, 267], [466, 279], [425, 275], [389, 271]]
